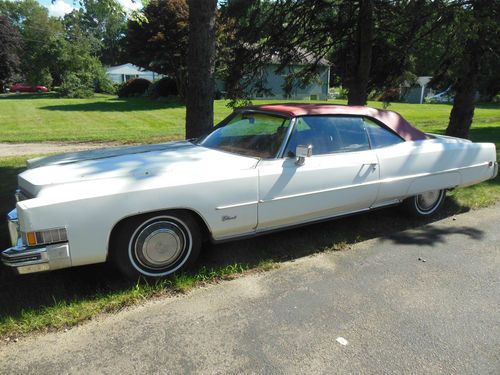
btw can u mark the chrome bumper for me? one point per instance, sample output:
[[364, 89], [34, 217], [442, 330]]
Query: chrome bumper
[[29, 260]]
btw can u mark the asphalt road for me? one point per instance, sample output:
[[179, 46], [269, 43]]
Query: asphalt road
[[375, 308]]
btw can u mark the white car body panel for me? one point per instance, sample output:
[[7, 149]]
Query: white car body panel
[[325, 185], [90, 197]]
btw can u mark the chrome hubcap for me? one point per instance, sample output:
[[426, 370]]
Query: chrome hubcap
[[427, 201], [159, 244]]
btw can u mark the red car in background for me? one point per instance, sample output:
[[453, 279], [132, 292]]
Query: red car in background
[[19, 87]]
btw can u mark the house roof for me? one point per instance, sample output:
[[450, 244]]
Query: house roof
[[301, 56], [304, 57], [392, 120], [126, 69]]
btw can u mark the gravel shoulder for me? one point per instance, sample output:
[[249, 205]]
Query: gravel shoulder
[[20, 149]]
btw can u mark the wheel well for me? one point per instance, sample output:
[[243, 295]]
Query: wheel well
[[206, 234]]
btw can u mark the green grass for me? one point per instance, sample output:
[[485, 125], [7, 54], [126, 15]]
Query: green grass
[[65, 298], [44, 117]]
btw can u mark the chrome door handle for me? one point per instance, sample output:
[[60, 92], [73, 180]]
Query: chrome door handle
[[373, 165]]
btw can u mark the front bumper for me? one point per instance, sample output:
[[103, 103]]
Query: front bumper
[[28, 259]]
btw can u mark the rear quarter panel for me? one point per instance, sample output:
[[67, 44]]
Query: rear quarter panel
[[412, 168]]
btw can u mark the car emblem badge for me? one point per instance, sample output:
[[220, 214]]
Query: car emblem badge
[[226, 218]]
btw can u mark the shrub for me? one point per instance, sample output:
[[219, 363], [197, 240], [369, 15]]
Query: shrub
[[133, 87], [163, 87], [105, 85], [77, 85]]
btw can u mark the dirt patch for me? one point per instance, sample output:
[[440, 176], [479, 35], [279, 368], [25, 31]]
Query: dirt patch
[[19, 149]]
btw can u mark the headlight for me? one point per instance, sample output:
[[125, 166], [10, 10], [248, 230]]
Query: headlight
[[45, 237], [20, 195]]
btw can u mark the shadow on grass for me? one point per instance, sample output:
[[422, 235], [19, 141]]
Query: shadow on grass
[[485, 134], [116, 105], [40, 291]]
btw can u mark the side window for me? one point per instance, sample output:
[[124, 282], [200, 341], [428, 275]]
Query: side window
[[329, 134], [380, 137]]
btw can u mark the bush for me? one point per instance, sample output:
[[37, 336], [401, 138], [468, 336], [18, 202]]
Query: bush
[[162, 88], [105, 85], [77, 85], [133, 87]]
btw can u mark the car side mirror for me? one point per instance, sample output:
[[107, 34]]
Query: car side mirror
[[303, 152]]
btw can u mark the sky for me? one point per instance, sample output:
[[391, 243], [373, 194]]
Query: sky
[[60, 7]]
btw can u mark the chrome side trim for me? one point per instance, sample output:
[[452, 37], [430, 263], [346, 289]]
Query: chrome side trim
[[391, 202], [316, 192], [236, 205], [384, 181], [265, 231], [458, 169]]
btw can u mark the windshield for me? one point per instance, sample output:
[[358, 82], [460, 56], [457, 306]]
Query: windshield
[[250, 134]]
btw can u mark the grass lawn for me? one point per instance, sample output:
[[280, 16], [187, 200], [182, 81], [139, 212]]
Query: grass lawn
[[44, 117], [65, 298]]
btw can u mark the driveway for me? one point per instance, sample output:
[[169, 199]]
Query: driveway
[[420, 301]]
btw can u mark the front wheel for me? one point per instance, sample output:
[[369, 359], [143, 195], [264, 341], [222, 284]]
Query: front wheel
[[425, 204], [157, 245]]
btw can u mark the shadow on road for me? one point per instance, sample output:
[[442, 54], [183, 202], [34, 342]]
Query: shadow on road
[[431, 236]]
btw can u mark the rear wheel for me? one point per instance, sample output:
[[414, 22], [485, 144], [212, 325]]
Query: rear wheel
[[157, 245], [425, 204]]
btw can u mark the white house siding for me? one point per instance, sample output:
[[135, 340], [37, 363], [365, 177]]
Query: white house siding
[[122, 73], [274, 82]]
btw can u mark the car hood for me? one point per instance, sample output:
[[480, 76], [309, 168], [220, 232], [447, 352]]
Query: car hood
[[146, 160]]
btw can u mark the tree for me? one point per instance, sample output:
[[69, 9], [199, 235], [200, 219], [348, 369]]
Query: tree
[[103, 23], [42, 37], [200, 67], [10, 44], [160, 43], [361, 38], [473, 48], [356, 80]]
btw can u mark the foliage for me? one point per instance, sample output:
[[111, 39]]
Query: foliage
[[471, 61], [360, 38], [77, 85], [103, 24], [53, 49], [160, 44], [162, 88], [42, 36], [133, 87], [10, 47]]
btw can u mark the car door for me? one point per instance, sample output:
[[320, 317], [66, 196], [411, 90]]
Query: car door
[[340, 177]]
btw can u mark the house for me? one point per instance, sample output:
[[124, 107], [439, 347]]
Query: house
[[122, 73], [274, 81], [416, 92]]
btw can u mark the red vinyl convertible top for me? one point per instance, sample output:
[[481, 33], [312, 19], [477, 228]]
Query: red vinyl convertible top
[[392, 120]]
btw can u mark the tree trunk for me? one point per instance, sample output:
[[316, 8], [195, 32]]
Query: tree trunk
[[357, 85], [462, 112], [200, 67]]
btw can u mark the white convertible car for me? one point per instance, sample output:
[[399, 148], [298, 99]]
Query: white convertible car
[[149, 208]]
